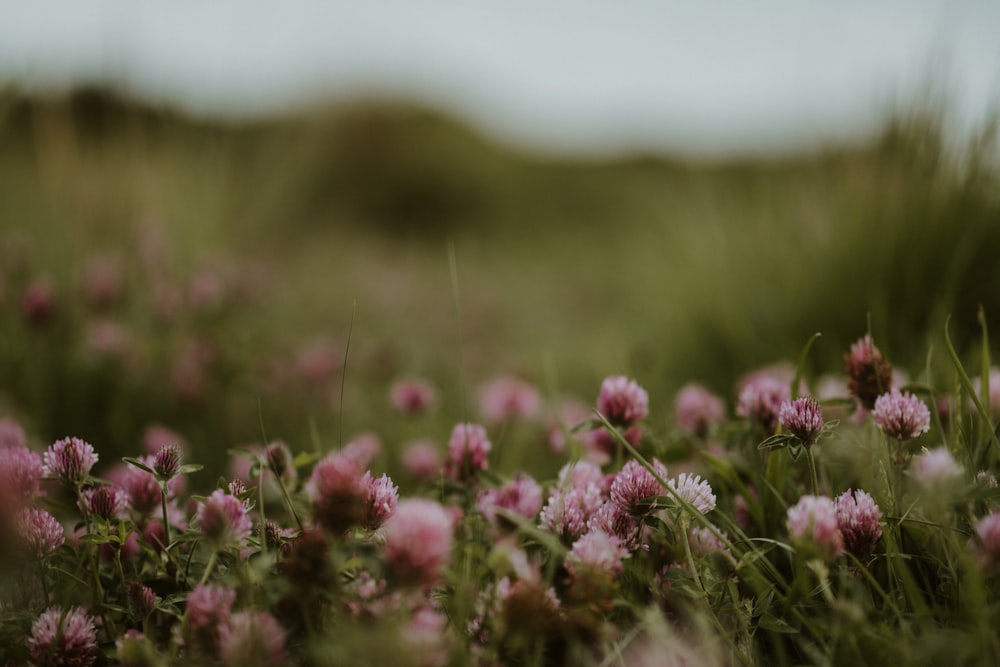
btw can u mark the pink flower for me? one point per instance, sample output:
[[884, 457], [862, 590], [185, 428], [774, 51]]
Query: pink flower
[[935, 467], [279, 460], [422, 459], [412, 396], [567, 414], [703, 542], [338, 492], [252, 639], [505, 398], [418, 539], [634, 486], [70, 459], [380, 500], [694, 490], [611, 519], [141, 487], [858, 519], [223, 519], [208, 610], [760, 400], [106, 502], [21, 471], [901, 415], [598, 552], [141, 599], [167, 461], [567, 511], [803, 418], [103, 282], [11, 434], [363, 448], [63, 638], [39, 302], [581, 474], [994, 391], [522, 495], [622, 401], [697, 409], [468, 449], [813, 522], [869, 374], [157, 436], [986, 543], [39, 533]]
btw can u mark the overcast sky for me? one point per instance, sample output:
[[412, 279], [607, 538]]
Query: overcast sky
[[699, 77]]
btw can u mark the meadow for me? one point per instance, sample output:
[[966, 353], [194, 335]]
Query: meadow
[[352, 354]]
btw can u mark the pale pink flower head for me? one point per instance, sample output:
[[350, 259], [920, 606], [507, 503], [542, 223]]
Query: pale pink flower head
[[141, 599], [39, 302], [381, 498], [69, 459], [106, 502], [697, 409], [421, 459], [812, 523], [760, 400], [613, 520], [567, 414], [11, 435], [694, 490], [567, 511], [106, 338], [252, 638], [133, 649], [803, 418], [208, 610], [581, 474], [63, 638], [986, 542], [506, 397], [38, 532], [468, 450], [413, 395], [858, 517], [634, 486], [418, 540], [522, 495], [141, 487], [223, 519], [935, 468], [103, 281], [596, 552], [363, 448], [704, 542], [317, 360], [279, 460], [157, 436], [21, 471], [868, 373], [622, 401], [338, 492], [901, 415], [994, 391]]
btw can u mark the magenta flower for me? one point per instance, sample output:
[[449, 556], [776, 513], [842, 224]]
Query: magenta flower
[[634, 486], [38, 532], [70, 459], [412, 396], [167, 461], [141, 487], [380, 500], [418, 539], [986, 543], [901, 415], [697, 409], [21, 471], [252, 638], [338, 492], [106, 502], [522, 495], [208, 610], [11, 434], [622, 401], [611, 519], [803, 418], [279, 459], [567, 511], [468, 450], [935, 468], [223, 519], [694, 490], [703, 542], [157, 436], [61, 638], [596, 552], [141, 599], [812, 523], [994, 391], [39, 302], [858, 519], [422, 459], [363, 449], [581, 474], [760, 400], [505, 398], [869, 374]]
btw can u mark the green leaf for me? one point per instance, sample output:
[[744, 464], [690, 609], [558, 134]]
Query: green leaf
[[586, 425], [801, 365], [775, 624], [138, 464], [189, 468], [776, 440]]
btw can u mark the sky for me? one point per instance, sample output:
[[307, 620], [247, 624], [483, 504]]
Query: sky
[[707, 77]]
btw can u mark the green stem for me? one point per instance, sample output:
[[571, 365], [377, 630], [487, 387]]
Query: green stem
[[209, 568], [45, 584], [166, 522], [688, 555], [813, 477]]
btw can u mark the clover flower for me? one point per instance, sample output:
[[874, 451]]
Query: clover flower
[[522, 495], [986, 543], [38, 532], [69, 459], [167, 461], [252, 638], [21, 471], [412, 396], [279, 459], [106, 502], [223, 519], [813, 522], [468, 450], [63, 638], [994, 390], [421, 459], [596, 551], [11, 434], [505, 398], [567, 511], [611, 519], [803, 418], [703, 542], [858, 518], [696, 409], [418, 539], [760, 400], [868, 373], [338, 492], [208, 610], [622, 401], [901, 415], [634, 484], [381, 497], [935, 468], [581, 474], [141, 599], [694, 490]]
